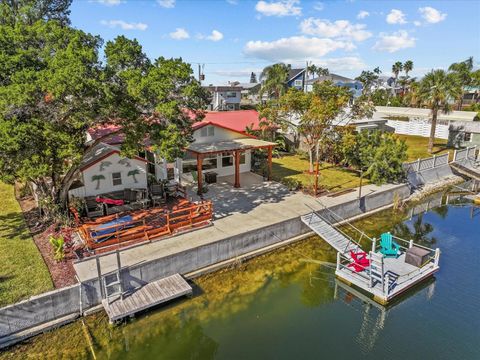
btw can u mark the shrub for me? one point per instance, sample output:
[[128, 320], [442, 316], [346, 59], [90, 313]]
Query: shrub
[[291, 184], [58, 244]]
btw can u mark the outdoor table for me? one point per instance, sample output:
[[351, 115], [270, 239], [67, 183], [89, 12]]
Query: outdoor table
[[416, 256]]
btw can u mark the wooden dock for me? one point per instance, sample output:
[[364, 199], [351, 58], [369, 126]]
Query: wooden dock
[[334, 237], [384, 278], [147, 296]]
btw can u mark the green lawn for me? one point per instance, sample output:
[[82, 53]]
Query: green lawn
[[418, 147], [23, 272], [333, 178]]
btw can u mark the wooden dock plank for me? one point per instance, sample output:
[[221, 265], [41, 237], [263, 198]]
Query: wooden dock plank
[[147, 296], [331, 235]]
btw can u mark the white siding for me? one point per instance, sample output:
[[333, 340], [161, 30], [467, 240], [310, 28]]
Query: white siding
[[221, 134], [117, 165]]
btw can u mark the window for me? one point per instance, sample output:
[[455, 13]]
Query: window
[[231, 94], [207, 131], [467, 137], [116, 178], [242, 158], [298, 82], [227, 160]]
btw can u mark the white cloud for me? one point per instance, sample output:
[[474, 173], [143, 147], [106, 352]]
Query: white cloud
[[396, 17], [318, 6], [279, 8], [214, 36], [124, 25], [294, 48], [232, 2], [109, 2], [342, 29], [179, 34], [432, 15], [363, 14], [417, 23], [166, 3], [394, 42]]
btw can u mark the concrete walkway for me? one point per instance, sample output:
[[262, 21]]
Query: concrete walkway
[[256, 205]]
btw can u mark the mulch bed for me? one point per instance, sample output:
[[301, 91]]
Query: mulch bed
[[62, 273]]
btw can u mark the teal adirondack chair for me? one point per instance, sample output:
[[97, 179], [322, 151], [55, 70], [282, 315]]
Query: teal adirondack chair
[[388, 247]]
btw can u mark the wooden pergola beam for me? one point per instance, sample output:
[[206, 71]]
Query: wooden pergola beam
[[237, 169], [270, 150], [199, 174]]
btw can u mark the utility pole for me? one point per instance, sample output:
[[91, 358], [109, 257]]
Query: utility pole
[[199, 74]]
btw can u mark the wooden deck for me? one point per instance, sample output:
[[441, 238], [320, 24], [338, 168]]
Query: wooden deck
[[330, 234], [147, 296], [146, 225], [384, 278]]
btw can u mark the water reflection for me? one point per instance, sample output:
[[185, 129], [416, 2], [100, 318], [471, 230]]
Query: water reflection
[[373, 315]]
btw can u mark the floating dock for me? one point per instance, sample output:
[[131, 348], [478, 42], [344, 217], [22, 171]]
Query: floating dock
[[383, 277], [147, 296]]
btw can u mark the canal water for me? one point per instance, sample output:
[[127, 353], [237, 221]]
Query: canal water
[[288, 305]]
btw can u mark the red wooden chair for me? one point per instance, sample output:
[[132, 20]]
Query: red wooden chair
[[360, 261]]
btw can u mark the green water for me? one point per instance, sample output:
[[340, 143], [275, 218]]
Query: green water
[[283, 306]]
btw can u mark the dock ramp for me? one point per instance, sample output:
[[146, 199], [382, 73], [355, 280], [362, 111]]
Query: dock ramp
[[471, 172], [338, 240], [147, 296]]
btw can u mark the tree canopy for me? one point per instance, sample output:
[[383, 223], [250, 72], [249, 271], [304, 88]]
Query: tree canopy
[[54, 87]]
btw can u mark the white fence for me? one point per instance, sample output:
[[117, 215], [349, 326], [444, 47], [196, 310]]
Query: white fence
[[469, 153], [419, 127], [427, 163]]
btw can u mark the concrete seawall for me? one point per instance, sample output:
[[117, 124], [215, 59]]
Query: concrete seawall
[[55, 306]]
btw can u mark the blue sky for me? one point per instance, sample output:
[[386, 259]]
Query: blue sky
[[234, 37]]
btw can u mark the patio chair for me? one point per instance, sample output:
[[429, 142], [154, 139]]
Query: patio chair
[[92, 208], [360, 261], [158, 194], [388, 247]]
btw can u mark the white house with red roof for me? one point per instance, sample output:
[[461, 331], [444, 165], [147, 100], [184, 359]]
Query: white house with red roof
[[221, 145]]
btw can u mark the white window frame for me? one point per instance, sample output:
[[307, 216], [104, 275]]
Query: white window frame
[[207, 131], [298, 82]]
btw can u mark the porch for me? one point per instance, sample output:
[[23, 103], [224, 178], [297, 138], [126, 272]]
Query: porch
[[234, 160]]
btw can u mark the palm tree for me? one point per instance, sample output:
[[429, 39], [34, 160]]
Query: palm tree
[[274, 80], [132, 173], [407, 67], [435, 91], [97, 178], [396, 69], [463, 71]]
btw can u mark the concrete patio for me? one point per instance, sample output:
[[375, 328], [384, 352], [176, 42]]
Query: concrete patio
[[256, 205]]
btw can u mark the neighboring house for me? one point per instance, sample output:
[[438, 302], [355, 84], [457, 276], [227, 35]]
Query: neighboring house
[[355, 86], [463, 134], [250, 93], [296, 79], [103, 170], [225, 98], [471, 95], [461, 128]]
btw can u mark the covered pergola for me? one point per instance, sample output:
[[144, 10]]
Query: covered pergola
[[235, 147]]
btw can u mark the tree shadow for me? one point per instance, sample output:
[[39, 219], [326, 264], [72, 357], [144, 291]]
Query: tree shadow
[[14, 227]]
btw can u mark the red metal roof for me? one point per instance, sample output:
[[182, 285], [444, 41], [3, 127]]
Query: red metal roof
[[234, 120], [237, 121]]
